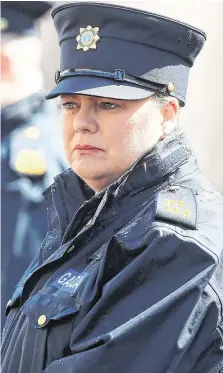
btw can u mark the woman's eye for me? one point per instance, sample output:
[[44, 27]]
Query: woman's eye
[[69, 105], [107, 106]]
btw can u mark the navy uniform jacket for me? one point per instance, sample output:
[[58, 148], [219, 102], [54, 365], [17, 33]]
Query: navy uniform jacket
[[28, 126], [132, 282]]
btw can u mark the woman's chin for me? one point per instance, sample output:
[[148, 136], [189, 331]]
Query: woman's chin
[[89, 170], [96, 173]]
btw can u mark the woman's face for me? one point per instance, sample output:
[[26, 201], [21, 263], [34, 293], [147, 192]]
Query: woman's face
[[104, 137]]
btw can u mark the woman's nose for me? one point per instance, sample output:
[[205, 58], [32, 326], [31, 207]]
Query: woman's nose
[[85, 120]]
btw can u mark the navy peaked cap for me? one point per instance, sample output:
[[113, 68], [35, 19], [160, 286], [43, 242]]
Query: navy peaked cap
[[19, 16], [118, 52]]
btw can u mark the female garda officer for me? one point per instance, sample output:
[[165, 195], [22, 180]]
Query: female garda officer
[[131, 281]]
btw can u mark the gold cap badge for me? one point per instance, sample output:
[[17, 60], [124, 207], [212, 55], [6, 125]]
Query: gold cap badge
[[88, 38]]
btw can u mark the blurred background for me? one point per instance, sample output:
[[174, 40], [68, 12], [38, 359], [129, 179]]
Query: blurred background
[[32, 150], [31, 143]]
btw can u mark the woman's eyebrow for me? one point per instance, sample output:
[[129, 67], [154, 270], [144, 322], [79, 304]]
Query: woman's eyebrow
[[71, 96]]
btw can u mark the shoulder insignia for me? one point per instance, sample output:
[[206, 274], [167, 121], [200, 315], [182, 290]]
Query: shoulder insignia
[[177, 204]]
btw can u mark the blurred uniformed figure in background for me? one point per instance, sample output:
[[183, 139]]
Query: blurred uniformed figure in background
[[31, 143]]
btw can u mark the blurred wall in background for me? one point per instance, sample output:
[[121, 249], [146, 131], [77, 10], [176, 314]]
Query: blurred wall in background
[[202, 117]]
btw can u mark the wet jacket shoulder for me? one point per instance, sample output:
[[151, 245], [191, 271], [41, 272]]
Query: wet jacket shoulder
[[135, 283]]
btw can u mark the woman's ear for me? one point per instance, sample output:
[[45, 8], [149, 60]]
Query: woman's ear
[[170, 111]]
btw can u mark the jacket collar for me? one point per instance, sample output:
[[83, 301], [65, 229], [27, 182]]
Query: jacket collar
[[71, 193], [154, 166], [162, 160]]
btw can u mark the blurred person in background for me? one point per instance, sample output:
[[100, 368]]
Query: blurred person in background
[[31, 143]]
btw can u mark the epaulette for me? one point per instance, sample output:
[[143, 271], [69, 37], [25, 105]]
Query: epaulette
[[178, 205]]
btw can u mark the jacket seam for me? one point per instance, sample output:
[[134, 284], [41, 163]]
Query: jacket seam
[[202, 245], [219, 299], [187, 236]]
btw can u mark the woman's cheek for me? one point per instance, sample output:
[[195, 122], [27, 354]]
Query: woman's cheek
[[67, 144]]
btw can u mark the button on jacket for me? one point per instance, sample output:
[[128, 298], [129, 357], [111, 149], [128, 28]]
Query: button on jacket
[[131, 281]]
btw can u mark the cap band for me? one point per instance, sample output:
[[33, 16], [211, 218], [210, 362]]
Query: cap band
[[118, 74]]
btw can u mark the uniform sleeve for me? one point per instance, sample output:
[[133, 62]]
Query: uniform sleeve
[[157, 314]]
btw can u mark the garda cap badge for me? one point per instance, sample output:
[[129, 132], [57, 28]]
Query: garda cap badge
[[88, 38]]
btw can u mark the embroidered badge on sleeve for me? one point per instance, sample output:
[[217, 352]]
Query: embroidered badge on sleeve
[[177, 205]]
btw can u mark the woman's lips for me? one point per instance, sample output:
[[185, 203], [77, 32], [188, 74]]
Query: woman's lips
[[86, 149]]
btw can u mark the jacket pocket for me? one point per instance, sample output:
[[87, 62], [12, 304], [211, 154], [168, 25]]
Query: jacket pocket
[[43, 308], [64, 296]]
